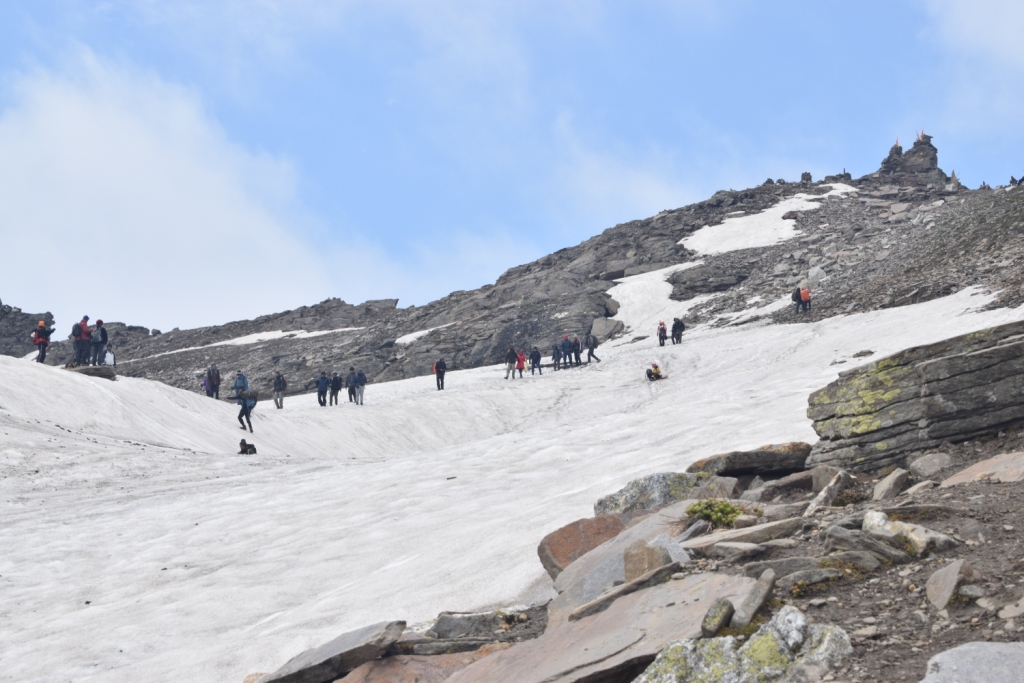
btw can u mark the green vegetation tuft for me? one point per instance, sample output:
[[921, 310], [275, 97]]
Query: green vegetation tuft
[[719, 512]]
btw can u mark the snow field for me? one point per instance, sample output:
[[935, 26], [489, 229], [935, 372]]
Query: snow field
[[203, 565]]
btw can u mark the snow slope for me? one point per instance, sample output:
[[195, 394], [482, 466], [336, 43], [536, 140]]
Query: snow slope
[[138, 547]]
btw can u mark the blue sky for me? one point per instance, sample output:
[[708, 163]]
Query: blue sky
[[184, 163]]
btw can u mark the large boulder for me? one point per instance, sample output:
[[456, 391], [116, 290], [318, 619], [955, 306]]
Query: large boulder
[[1005, 468], [336, 658], [654, 490], [954, 390], [564, 546], [786, 648], [625, 637], [776, 459], [419, 668], [977, 663]]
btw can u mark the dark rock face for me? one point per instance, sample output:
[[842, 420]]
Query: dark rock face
[[918, 166], [954, 390], [16, 327]]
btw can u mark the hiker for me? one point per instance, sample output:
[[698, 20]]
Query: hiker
[[108, 356], [213, 381], [322, 384], [81, 332], [805, 299], [566, 352], [556, 356], [246, 448], [577, 350], [662, 333], [245, 399], [360, 386], [654, 373], [677, 330], [98, 342], [336, 384], [535, 361], [41, 338], [351, 380], [439, 369], [280, 386], [520, 363], [591, 347], [510, 363], [797, 299]]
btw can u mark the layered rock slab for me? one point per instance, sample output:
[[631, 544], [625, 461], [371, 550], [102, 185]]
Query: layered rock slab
[[336, 658], [624, 638], [418, 668], [561, 548]]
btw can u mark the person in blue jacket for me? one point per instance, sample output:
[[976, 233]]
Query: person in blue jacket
[[352, 381], [245, 399], [323, 383], [566, 352]]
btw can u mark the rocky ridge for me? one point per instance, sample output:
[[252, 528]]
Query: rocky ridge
[[904, 234]]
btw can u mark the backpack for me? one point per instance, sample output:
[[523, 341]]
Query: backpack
[[97, 336], [76, 330], [796, 294], [805, 295]]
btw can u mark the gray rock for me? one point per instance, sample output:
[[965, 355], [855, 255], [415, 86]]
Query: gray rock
[[717, 617], [821, 476], [891, 486], [631, 632], [864, 561], [972, 591], [754, 534], [657, 575], [786, 648], [775, 459], [732, 553], [606, 328], [943, 584], [839, 538], [744, 521], [671, 545], [782, 567], [336, 658], [929, 465], [641, 558], [920, 486], [715, 487], [465, 625], [827, 496], [747, 609], [920, 538], [809, 577], [1005, 468], [977, 663], [651, 491]]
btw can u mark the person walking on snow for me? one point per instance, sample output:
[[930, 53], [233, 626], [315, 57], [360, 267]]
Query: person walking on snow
[[439, 369], [510, 363], [520, 363], [322, 384], [360, 386], [244, 399], [566, 352], [677, 330], [213, 381], [351, 381], [591, 347], [577, 350], [797, 299], [662, 333], [98, 341], [556, 356], [336, 383], [535, 361], [280, 386], [41, 338]]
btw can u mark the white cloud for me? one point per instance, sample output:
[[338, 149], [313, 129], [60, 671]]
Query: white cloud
[[988, 28], [120, 198]]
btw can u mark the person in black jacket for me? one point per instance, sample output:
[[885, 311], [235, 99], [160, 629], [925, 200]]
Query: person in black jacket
[[280, 386], [591, 347], [511, 358], [535, 361], [677, 331], [556, 356], [98, 338], [440, 367], [213, 381], [336, 383], [246, 448], [566, 352], [577, 349], [322, 384], [351, 381]]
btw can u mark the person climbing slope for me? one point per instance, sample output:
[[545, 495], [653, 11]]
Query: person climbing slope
[[510, 363], [323, 383], [591, 347], [654, 373], [41, 339], [520, 363], [336, 383], [245, 398], [677, 330], [535, 361], [797, 299], [805, 299], [662, 333], [440, 367]]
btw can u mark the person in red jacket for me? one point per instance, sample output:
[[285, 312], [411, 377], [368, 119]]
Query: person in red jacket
[[41, 338], [83, 343], [520, 362]]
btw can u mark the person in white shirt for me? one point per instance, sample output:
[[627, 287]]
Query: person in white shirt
[[108, 358]]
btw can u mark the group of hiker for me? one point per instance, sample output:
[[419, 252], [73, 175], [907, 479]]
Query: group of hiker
[[564, 354], [91, 344], [354, 381], [802, 299], [678, 326]]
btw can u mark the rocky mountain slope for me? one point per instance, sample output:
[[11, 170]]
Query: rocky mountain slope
[[904, 234]]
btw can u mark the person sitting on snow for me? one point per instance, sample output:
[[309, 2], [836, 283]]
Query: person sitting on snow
[[247, 448], [654, 373]]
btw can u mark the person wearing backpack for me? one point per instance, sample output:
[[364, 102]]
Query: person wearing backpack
[[98, 342], [440, 367], [360, 386], [336, 384], [280, 386], [662, 333], [245, 399], [556, 356], [41, 339], [797, 299], [591, 347], [246, 448], [535, 361], [577, 349], [677, 330], [213, 381], [566, 352], [351, 381], [805, 299], [323, 383], [510, 363], [81, 333]]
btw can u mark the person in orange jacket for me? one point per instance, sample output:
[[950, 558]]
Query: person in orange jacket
[[41, 338], [805, 299]]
